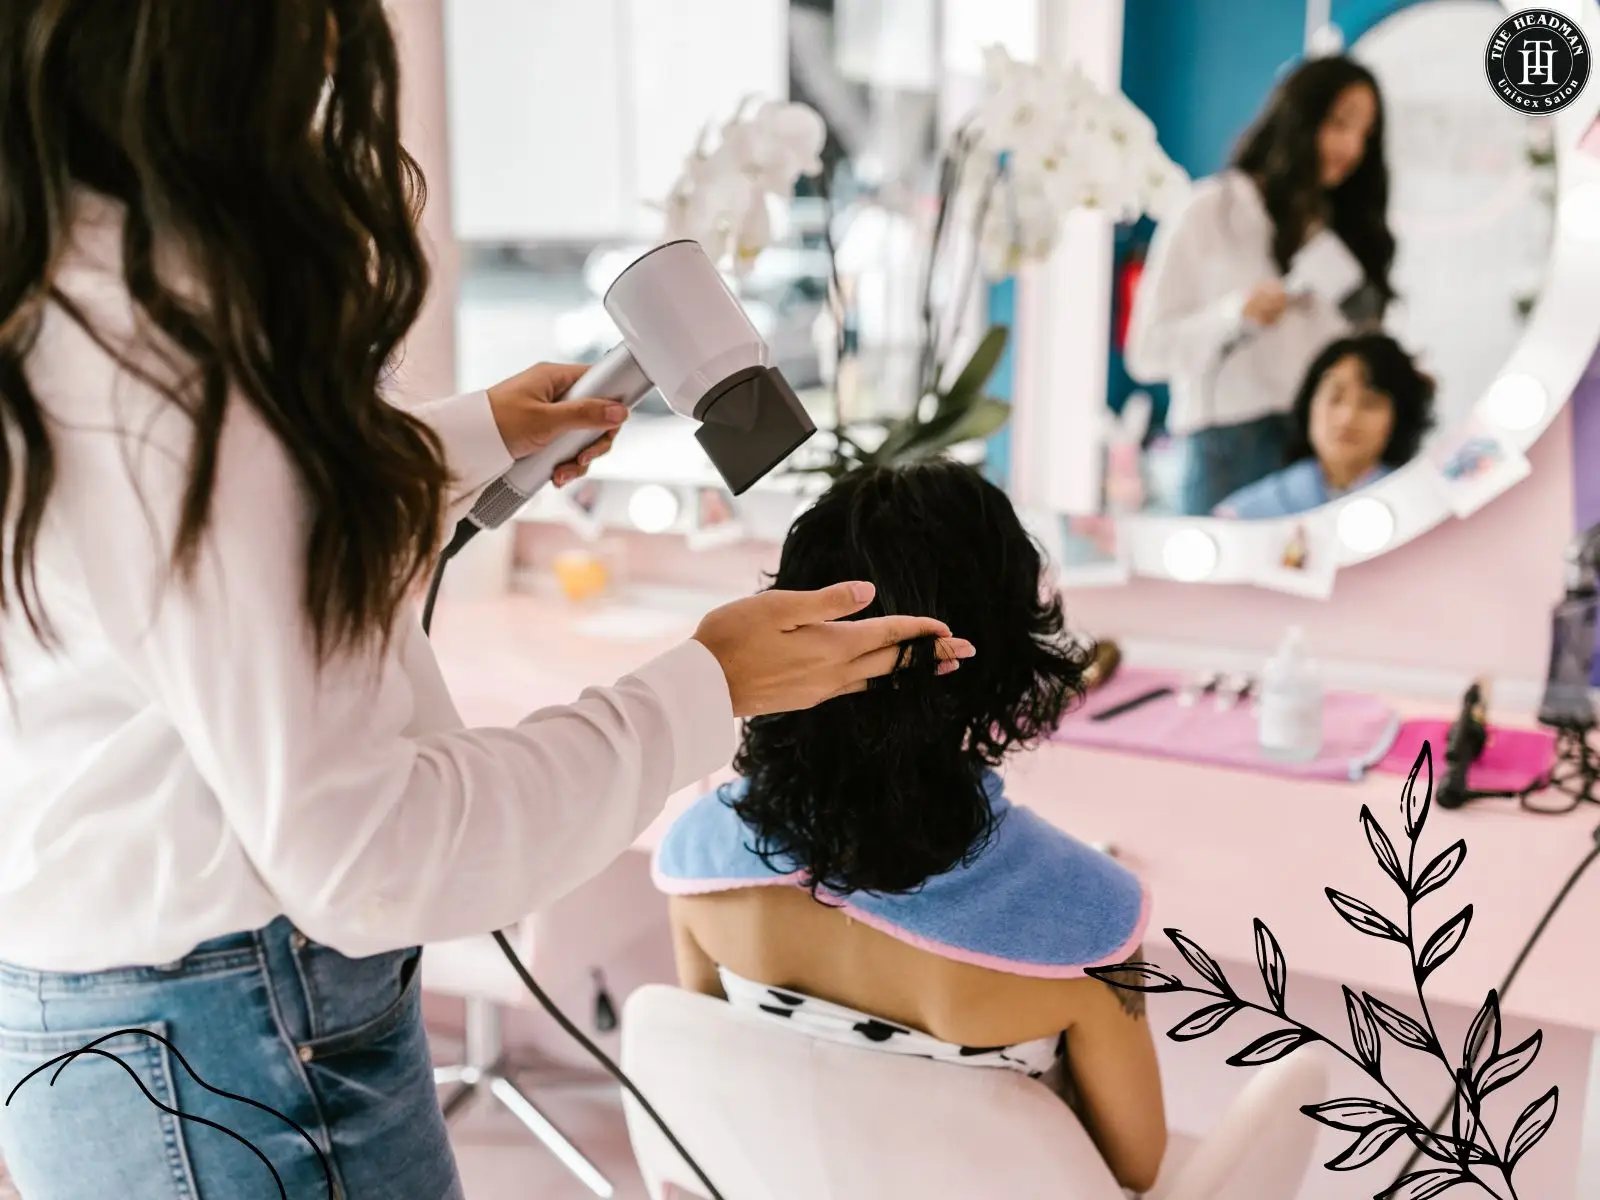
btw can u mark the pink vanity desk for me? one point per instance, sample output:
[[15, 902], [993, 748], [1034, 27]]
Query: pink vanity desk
[[1219, 848]]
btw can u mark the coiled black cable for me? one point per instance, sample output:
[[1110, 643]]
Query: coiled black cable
[[465, 532]]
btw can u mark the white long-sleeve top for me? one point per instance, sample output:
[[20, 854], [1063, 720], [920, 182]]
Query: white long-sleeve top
[[1188, 329], [182, 769]]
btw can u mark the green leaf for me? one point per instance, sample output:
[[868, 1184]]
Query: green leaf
[[912, 440], [975, 375], [901, 436], [983, 418]]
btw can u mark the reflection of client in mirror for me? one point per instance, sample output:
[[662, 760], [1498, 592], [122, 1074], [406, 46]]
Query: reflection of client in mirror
[[1361, 411], [1229, 312], [868, 882]]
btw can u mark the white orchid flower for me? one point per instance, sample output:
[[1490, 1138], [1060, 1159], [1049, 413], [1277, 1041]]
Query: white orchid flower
[[1037, 215], [1124, 123], [1166, 188], [1019, 110], [799, 130], [776, 146], [752, 233]]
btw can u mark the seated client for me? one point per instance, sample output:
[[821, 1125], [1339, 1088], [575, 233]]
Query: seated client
[[866, 879], [1362, 411]]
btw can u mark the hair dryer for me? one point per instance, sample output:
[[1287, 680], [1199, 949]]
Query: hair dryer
[[684, 333], [1464, 745]]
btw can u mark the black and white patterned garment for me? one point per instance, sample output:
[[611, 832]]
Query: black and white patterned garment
[[835, 1023]]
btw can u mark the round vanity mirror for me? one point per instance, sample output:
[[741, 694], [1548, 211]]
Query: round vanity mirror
[[1382, 287]]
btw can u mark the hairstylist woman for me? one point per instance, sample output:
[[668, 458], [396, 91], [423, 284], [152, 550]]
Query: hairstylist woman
[[1213, 317], [234, 793]]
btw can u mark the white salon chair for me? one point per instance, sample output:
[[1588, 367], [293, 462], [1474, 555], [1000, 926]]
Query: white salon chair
[[476, 971], [772, 1114]]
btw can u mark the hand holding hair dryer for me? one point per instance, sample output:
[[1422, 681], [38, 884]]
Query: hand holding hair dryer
[[685, 333]]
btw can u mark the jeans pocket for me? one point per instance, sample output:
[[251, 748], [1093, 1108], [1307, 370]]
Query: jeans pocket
[[347, 1017], [82, 1126]]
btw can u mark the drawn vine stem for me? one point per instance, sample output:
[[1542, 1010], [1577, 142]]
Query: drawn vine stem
[[1337, 1048], [1427, 1016], [1315, 1036]]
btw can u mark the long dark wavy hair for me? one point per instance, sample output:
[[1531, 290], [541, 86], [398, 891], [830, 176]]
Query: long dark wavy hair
[[218, 131], [1391, 371], [1280, 152], [879, 791]]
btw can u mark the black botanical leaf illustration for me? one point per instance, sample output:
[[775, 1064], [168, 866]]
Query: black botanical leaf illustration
[[1369, 1146], [1271, 1047], [1444, 942], [1136, 977], [1416, 811], [1396, 1024], [1466, 1154], [1444, 1149], [1383, 848], [1274, 971], [1204, 1021], [1364, 918], [1483, 1037], [1465, 1120], [1532, 1125], [1362, 1030], [1423, 1185], [1503, 1068], [1357, 1116], [1202, 962], [1441, 870]]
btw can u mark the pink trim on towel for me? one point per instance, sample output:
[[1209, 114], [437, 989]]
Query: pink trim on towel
[[1008, 966], [1011, 966]]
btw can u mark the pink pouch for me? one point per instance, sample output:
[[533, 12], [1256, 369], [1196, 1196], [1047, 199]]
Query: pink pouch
[[1512, 760]]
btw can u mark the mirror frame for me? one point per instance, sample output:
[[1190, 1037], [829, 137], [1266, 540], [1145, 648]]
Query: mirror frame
[[1552, 355]]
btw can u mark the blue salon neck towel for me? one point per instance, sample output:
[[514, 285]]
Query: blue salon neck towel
[[1035, 902]]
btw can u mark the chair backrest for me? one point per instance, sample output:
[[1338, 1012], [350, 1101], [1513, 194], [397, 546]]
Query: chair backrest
[[1261, 1146], [772, 1114]]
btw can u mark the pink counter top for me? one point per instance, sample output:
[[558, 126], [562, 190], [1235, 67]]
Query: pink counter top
[[1218, 847]]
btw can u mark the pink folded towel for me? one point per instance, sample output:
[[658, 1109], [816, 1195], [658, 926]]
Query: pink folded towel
[[1357, 730], [1512, 758]]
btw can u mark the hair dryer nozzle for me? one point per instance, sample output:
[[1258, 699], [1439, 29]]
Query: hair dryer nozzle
[[750, 424]]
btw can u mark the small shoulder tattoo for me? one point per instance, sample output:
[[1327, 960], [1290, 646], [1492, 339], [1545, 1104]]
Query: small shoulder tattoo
[[1132, 1002]]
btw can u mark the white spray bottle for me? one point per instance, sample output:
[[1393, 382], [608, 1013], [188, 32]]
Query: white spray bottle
[[1289, 714]]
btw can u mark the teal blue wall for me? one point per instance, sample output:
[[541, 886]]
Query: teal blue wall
[[1200, 70]]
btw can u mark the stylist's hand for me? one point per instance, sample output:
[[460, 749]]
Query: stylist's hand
[[785, 651], [529, 418], [1266, 302]]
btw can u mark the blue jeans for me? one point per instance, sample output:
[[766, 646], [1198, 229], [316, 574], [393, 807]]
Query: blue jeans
[[333, 1044], [1219, 461]]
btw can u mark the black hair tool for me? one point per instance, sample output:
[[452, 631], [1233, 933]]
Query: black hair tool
[[1464, 745]]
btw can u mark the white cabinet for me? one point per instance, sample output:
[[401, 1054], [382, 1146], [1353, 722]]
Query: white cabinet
[[566, 116]]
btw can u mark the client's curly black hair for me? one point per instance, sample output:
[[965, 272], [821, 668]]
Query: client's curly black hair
[[1390, 371], [879, 791]]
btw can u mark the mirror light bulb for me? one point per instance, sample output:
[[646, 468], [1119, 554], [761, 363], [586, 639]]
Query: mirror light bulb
[[653, 508], [1190, 555], [1516, 402], [1366, 525]]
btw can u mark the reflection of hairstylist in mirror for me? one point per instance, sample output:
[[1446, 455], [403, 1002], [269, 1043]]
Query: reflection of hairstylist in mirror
[[1220, 314], [1361, 412], [235, 795]]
